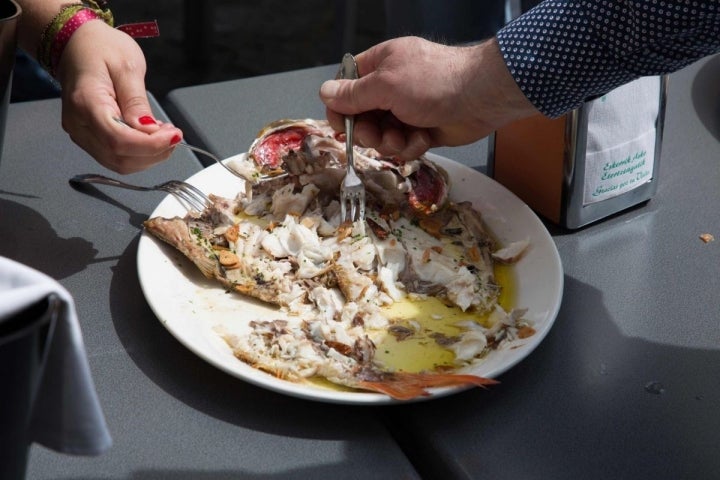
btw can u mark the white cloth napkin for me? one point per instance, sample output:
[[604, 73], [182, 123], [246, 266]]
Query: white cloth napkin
[[67, 416]]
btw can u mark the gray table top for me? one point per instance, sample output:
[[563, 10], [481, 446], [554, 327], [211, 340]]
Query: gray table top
[[640, 307], [171, 414]]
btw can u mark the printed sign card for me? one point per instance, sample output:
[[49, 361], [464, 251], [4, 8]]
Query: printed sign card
[[622, 131]]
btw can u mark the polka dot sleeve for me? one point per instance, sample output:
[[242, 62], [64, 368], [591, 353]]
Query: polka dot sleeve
[[563, 52]]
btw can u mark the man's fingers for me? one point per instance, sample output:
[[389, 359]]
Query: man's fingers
[[417, 142], [367, 134], [336, 120], [351, 97]]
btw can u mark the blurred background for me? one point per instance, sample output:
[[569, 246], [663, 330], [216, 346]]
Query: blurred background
[[205, 41]]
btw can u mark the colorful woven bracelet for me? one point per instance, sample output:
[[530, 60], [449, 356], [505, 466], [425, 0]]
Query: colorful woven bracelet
[[58, 32], [51, 30], [63, 35]]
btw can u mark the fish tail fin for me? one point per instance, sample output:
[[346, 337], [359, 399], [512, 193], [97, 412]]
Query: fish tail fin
[[175, 232], [406, 386]]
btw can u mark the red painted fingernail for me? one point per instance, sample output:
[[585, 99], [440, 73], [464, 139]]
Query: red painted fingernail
[[147, 120], [175, 140]]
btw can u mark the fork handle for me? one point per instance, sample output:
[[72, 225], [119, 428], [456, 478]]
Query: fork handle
[[349, 127], [95, 178], [210, 155]]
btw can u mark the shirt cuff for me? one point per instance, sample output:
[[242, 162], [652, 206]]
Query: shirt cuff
[[563, 52], [553, 54]]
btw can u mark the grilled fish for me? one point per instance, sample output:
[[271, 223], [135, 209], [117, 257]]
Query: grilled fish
[[332, 281]]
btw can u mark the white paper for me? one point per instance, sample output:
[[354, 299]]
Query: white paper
[[620, 153]]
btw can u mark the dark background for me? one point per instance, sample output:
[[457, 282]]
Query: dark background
[[205, 41]]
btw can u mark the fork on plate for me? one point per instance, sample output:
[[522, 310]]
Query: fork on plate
[[352, 190], [189, 196]]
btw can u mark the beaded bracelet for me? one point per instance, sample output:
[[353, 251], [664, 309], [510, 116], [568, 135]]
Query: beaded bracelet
[[57, 33]]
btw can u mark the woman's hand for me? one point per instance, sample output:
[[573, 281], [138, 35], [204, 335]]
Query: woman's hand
[[102, 74]]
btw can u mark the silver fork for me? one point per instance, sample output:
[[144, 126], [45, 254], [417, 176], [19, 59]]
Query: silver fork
[[199, 150], [257, 179], [188, 195], [210, 155], [352, 190]]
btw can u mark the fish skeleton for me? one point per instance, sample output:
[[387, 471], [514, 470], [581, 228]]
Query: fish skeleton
[[286, 245]]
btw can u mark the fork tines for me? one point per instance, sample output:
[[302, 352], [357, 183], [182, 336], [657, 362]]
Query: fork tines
[[187, 193], [352, 205], [352, 196]]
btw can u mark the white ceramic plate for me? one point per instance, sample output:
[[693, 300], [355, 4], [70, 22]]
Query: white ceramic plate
[[190, 306]]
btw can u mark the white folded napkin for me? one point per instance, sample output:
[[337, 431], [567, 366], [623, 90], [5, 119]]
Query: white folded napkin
[[621, 136], [66, 416]]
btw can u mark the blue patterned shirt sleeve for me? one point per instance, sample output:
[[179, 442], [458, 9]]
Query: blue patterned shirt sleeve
[[563, 52]]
